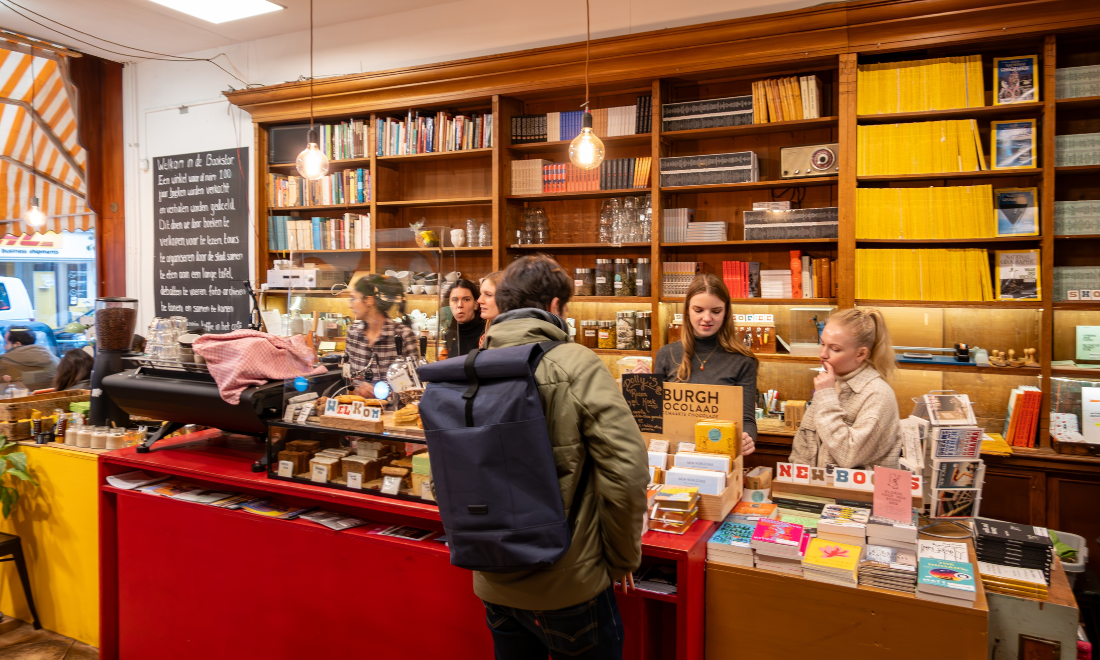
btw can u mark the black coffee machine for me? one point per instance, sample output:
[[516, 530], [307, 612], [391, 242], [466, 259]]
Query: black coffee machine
[[115, 321]]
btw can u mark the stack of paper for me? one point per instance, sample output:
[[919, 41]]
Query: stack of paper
[[888, 568], [835, 563], [775, 284], [1010, 544], [731, 544], [706, 232], [844, 524], [883, 531], [778, 546], [1013, 581]]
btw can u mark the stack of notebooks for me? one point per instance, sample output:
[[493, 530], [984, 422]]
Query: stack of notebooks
[[1076, 217], [1010, 544], [731, 544], [564, 126], [945, 574], [1077, 149], [775, 284], [750, 512], [923, 213], [910, 275], [832, 562], [920, 85], [674, 509], [889, 568], [677, 277], [883, 531], [434, 132], [951, 145], [786, 99], [1012, 581], [779, 546], [706, 232], [674, 224], [1077, 81], [844, 524], [711, 113]]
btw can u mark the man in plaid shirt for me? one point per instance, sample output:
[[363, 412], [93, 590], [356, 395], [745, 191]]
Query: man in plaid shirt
[[372, 343]]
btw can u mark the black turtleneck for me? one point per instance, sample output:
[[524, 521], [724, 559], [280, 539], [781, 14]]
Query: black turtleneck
[[466, 338], [722, 368]]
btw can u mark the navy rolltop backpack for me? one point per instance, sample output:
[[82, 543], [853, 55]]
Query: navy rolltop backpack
[[492, 461]]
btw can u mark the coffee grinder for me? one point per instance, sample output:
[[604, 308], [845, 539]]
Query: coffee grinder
[[115, 321]]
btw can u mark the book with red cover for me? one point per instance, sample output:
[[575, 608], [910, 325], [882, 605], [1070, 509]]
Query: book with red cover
[[1029, 418], [796, 274], [774, 531], [744, 280]]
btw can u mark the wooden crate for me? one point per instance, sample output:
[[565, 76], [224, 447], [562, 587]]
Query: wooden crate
[[1075, 448], [13, 410], [15, 431], [717, 507]]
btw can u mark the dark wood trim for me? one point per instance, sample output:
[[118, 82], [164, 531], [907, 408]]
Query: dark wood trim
[[98, 85]]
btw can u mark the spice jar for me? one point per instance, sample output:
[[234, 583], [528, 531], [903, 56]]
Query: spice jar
[[84, 438], [115, 439], [71, 434], [605, 276], [99, 438], [606, 334], [588, 334], [644, 279], [624, 330], [643, 331], [624, 282], [676, 328], [584, 282]]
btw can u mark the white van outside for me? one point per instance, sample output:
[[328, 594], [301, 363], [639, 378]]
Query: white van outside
[[15, 303]]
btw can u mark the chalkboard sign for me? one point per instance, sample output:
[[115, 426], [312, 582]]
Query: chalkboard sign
[[200, 257], [644, 393]]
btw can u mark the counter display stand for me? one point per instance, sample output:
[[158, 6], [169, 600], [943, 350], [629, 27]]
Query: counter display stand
[[182, 580]]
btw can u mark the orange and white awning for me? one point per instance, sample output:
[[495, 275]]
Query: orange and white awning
[[40, 155]]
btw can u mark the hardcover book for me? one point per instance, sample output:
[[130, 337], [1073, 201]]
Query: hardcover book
[[1015, 80]]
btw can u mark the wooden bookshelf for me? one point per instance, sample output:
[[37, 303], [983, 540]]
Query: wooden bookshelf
[[952, 241], [437, 155], [987, 304], [749, 129], [636, 140], [1080, 103], [935, 176], [984, 113], [752, 185], [721, 244]]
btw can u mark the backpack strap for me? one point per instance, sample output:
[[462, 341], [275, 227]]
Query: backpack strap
[[471, 391]]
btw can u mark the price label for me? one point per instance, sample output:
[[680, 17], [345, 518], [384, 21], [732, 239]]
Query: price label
[[319, 474], [618, 285], [355, 480], [391, 485], [660, 445], [286, 468], [601, 280], [638, 282], [639, 332], [303, 416], [685, 446], [578, 282]]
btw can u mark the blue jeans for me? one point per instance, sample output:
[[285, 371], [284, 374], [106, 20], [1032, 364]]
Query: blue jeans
[[591, 630]]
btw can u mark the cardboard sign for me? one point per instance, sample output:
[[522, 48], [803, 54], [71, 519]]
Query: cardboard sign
[[682, 406], [892, 498]]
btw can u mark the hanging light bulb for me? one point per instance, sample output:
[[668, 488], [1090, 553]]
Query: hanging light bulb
[[34, 215], [586, 150], [312, 163]]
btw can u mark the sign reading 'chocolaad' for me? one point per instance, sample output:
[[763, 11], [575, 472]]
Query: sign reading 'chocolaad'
[[681, 406]]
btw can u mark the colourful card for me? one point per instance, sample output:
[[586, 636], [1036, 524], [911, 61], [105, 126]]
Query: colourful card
[[892, 498]]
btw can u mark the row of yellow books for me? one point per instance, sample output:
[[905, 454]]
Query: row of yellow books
[[786, 99], [920, 85], [939, 275], [937, 212], [920, 148]]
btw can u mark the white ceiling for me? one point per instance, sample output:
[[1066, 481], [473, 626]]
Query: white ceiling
[[145, 24]]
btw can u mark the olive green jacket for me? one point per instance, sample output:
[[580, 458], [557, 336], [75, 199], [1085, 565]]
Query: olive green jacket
[[586, 415]]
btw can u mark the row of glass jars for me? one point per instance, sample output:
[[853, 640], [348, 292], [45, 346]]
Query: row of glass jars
[[614, 277], [630, 331]]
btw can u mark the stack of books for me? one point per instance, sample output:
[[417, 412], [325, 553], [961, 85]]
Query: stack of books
[[742, 278], [712, 169], [564, 126], [351, 232], [951, 145], [750, 512], [677, 277], [890, 533], [711, 113], [1022, 418], [945, 574], [801, 505], [731, 544], [527, 176], [343, 141], [532, 177], [674, 509], [812, 277], [844, 524], [909, 274], [779, 546], [786, 99], [832, 562], [1012, 581], [675, 223], [1076, 217], [1010, 544], [1077, 149], [923, 213], [775, 284], [889, 568], [791, 224], [1077, 81], [338, 188], [706, 232], [436, 132], [920, 85]]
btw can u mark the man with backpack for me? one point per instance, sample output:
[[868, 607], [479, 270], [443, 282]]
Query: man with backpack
[[568, 609]]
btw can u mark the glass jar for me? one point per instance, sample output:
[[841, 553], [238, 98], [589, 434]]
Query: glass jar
[[84, 438], [115, 439], [71, 434], [605, 277], [676, 328], [584, 282], [643, 331], [624, 330], [99, 438], [606, 334], [624, 283], [644, 279], [115, 320], [589, 334]]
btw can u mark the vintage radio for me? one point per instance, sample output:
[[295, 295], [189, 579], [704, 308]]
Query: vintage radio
[[810, 160], [312, 276]]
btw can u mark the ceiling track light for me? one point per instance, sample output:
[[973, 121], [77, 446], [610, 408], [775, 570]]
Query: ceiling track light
[[586, 150]]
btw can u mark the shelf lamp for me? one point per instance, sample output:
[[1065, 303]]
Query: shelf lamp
[[34, 217], [312, 163], [586, 150]]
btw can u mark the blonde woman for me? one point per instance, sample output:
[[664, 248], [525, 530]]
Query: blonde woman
[[853, 418], [709, 353]]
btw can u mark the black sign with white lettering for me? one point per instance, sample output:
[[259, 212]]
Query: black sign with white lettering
[[200, 257]]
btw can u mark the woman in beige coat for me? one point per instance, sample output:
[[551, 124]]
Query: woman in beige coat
[[853, 418]]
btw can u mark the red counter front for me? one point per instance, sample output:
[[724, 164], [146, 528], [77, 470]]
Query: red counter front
[[184, 581]]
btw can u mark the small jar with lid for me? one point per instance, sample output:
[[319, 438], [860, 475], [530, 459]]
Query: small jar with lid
[[606, 334], [624, 281], [115, 439], [643, 280], [676, 328], [99, 438], [588, 335], [624, 330], [643, 331], [584, 282], [605, 277]]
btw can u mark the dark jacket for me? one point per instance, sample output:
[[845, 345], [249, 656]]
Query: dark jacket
[[464, 337]]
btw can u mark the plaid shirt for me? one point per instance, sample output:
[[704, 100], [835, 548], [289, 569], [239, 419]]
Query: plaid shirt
[[384, 351]]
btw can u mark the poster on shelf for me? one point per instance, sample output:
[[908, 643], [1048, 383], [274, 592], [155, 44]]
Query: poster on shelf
[[201, 238]]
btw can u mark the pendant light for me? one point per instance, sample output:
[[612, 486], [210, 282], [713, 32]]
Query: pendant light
[[586, 150], [34, 216], [312, 163]]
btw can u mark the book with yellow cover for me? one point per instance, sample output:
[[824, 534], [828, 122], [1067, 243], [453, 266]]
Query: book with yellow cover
[[831, 557]]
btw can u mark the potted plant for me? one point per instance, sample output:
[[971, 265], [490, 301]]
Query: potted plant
[[14, 464]]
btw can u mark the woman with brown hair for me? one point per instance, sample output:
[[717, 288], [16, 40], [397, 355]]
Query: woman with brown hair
[[709, 353], [74, 372]]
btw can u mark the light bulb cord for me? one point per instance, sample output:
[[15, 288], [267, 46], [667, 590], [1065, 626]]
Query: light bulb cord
[[311, 127], [587, 47], [34, 155]]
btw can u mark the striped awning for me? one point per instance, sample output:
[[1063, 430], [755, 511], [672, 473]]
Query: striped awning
[[48, 123]]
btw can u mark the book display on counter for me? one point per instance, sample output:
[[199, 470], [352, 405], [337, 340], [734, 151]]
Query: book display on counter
[[1014, 545]]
